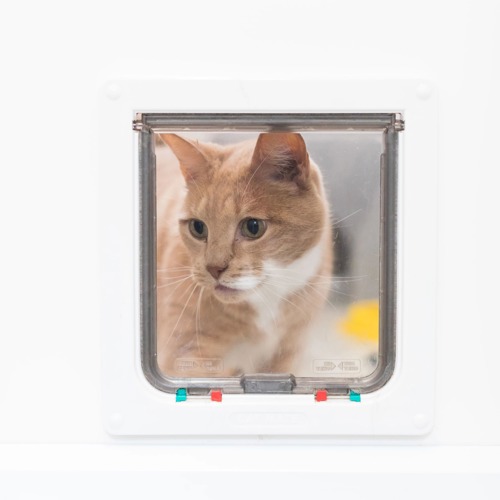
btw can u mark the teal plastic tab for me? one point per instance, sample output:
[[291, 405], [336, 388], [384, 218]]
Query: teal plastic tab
[[180, 395], [355, 396]]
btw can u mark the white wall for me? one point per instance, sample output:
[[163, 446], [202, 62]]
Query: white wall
[[55, 57]]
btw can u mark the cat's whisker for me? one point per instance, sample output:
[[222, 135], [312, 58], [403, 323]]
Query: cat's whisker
[[331, 282], [166, 269], [175, 282], [323, 281], [305, 292], [347, 216], [174, 290], [167, 279], [285, 299], [198, 321], [312, 285], [311, 288], [330, 290], [349, 279], [319, 275], [299, 279], [180, 316], [343, 293], [174, 276], [264, 301], [178, 274]]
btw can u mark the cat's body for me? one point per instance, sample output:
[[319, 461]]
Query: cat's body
[[243, 255]]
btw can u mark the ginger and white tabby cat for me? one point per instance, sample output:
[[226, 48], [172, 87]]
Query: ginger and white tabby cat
[[244, 252]]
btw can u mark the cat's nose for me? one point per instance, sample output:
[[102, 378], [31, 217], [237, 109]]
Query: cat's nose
[[216, 271]]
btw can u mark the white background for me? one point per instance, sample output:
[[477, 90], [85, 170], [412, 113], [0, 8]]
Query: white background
[[55, 57]]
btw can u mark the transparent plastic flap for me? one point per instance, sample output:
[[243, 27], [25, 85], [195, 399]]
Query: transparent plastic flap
[[268, 251]]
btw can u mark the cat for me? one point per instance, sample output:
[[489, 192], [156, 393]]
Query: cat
[[244, 254]]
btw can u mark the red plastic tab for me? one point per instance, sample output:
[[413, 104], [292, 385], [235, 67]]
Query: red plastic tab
[[216, 396], [321, 395]]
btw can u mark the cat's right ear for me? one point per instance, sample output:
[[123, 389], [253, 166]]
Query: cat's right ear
[[192, 161]]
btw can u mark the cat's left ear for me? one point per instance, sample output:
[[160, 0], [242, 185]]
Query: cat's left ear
[[192, 161], [281, 157]]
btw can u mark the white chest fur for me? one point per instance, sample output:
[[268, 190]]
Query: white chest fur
[[280, 283]]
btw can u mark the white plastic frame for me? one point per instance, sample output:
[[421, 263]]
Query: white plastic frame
[[405, 405]]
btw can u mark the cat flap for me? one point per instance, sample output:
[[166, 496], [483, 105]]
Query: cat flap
[[268, 251]]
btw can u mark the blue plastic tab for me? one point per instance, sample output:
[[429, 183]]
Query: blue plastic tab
[[355, 396], [180, 395]]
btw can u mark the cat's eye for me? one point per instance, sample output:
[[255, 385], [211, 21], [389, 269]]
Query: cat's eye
[[198, 229], [253, 228]]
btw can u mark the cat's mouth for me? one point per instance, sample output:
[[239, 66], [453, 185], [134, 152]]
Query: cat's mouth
[[231, 290], [227, 290], [229, 294]]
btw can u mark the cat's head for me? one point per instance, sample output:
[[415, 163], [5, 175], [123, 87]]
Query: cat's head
[[254, 213]]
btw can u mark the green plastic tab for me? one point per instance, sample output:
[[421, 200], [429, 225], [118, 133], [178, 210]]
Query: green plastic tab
[[180, 395], [355, 396]]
